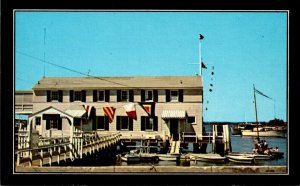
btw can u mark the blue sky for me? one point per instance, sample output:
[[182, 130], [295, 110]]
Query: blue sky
[[245, 48]]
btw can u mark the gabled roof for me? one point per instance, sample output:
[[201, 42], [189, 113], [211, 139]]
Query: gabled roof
[[126, 82]]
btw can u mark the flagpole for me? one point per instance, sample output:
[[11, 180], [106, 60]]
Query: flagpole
[[200, 52]]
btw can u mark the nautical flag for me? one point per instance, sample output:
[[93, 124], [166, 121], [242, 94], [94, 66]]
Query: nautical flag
[[201, 36], [203, 66], [109, 112], [149, 107], [262, 94], [88, 110], [130, 110]]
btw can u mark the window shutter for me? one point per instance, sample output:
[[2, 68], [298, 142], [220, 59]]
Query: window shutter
[[131, 96], [130, 123], [168, 96], [142, 95], [118, 95], [94, 123], [47, 124], [118, 122], [59, 125], [155, 123], [48, 95], [107, 95], [71, 95], [180, 98], [155, 95], [106, 123], [94, 95], [83, 95], [60, 96], [143, 123]]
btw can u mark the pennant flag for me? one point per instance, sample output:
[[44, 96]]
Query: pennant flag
[[262, 94], [88, 110], [201, 36], [203, 66], [212, 73], [109, 112], [149, 107], [130, 110]]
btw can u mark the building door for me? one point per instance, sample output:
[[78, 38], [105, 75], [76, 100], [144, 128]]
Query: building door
[[174, 129]]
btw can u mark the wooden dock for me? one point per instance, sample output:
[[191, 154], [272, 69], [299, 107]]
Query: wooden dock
[[55, 150]]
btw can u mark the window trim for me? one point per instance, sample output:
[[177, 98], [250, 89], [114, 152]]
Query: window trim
[[51, 95]]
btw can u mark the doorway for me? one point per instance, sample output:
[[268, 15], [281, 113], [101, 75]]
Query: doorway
[[174, 129]]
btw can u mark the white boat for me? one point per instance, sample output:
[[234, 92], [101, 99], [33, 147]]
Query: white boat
[[168, 157], [241, 159], [249, 154], [211, 158], [265, 133]]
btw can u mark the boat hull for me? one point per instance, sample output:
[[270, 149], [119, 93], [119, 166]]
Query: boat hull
[[241, 159], [264, 133], [210, 158]]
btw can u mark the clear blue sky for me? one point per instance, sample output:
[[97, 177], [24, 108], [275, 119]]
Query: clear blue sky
[[245, 48]]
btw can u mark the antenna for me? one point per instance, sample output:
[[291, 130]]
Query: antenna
[[44, 52]]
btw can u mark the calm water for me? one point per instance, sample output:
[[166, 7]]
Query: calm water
[[239, 144]]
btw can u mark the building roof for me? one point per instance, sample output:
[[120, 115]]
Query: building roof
[[126, 82]]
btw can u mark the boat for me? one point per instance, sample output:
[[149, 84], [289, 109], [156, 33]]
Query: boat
[[241, 159], [264, 132], [211, 158], [250, 154], [131, 157], [148, 157], [261, 146], [168, 157]]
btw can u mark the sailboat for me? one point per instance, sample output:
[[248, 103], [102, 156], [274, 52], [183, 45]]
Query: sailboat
[[261, 147], [259, 130]]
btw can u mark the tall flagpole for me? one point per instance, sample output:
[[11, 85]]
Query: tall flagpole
[[200, 61]]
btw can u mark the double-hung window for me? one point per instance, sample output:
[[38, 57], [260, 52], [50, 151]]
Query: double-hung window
[[101, 123], [125, 95], [77, 95], [101, 95], [124, 123], [174, 95], [148, 123], [54, 95]]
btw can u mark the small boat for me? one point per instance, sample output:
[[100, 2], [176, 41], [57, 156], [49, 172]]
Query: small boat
[[131, 157], [237, 129], [148, 157], [241, 159], [211, 158], [249, 154], [168, 157]]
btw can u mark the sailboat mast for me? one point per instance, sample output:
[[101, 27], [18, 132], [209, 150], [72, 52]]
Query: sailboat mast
[[256, 113]]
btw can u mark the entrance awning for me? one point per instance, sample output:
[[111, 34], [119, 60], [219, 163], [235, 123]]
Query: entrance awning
[[173, 114]]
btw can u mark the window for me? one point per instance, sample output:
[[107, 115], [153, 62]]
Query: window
[[77, 96], [54, 124], [191, 120], [102, 123], [149, 95], [174, 96], [77, 121], [101, 95], [56, 95], [124, 123], [38, 121], [148, 124], [124, 96]]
